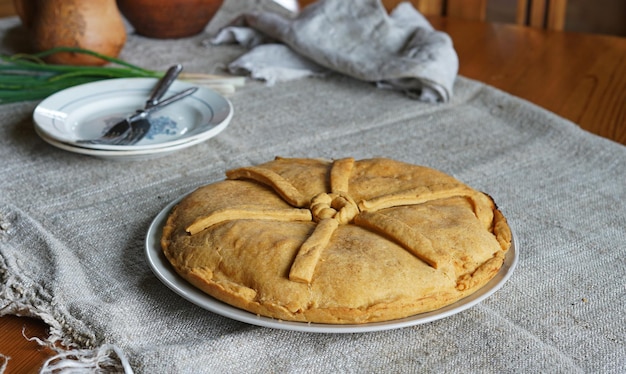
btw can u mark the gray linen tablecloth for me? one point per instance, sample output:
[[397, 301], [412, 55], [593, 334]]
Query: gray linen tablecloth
[[72, 229]]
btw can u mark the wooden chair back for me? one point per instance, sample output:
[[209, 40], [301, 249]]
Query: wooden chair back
[[548, 14]]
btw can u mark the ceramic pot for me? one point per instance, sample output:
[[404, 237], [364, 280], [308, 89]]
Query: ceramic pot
[[165, 19], [93, 25]]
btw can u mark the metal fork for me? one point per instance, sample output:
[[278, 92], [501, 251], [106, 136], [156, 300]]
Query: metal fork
[[157, 93], [139, 123]]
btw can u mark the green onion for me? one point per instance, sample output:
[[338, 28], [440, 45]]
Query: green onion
[[25, 77]]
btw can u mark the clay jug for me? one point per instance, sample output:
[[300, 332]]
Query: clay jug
[[94, 25]]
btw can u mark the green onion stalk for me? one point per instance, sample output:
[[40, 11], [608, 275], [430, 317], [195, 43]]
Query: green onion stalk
[[25, 77]]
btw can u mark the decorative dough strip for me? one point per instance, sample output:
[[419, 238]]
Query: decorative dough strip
[[303, 266], [340, 175], [413, 241], [482, 205], [269, 178], [242, 213], [415, 196]]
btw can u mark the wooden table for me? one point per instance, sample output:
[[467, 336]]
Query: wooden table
[[581, 77], [578, 76]]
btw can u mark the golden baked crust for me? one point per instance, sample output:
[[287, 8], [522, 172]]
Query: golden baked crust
[[339, 241]]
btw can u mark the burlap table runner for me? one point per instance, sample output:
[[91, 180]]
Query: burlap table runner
[[72, 229]]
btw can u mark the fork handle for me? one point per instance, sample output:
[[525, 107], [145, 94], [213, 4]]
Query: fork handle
[[163, 84], [172, 99], [161, 104]]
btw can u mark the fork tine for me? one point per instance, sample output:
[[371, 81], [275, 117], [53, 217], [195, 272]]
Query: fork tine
[[122, 139], [126, 137], [139, 129]]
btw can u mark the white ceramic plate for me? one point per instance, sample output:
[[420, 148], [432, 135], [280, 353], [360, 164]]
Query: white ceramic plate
[[164, 271], [130, 155], [87, 111]]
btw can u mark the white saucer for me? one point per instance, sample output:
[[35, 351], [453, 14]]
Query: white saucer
[[130, 155], [87, 111], [166, 274]]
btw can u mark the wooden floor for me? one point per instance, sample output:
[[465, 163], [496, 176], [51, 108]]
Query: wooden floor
[[25, 356]]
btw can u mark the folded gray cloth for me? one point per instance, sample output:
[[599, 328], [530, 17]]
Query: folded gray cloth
[[400, 50]]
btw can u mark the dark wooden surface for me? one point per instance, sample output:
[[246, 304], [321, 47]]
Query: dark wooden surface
[[581, 77]]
